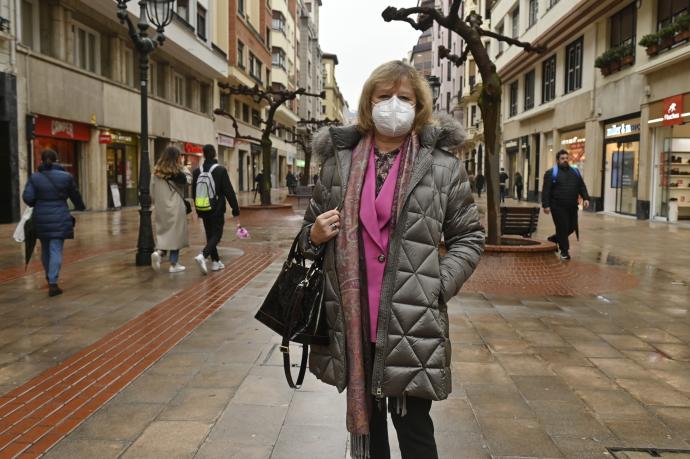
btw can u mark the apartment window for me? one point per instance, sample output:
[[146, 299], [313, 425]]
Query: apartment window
[[225, 104], [448, 102], [529, 90], [623, 27], [533, 12], [189, 94], [30, 24], [548, 78], [128, 67], [178, 89], [201, 21], [204, 98], [87, 47], [669, 10], [499, 30], [160, 80], [450, 40], [323, 109], [473, 115], [245, 112], [278, 21], [240, 7], [552, 3], [573, 66], [183, 9], [255, 67], [240, 54], [256, 118], [513, 98], [268, 37], [279, 58], [449, 70], [515, 22]]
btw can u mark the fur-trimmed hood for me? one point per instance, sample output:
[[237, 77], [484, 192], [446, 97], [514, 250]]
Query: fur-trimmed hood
[[445, 133]]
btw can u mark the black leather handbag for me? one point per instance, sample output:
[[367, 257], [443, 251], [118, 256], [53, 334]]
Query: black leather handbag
[[293, 308]]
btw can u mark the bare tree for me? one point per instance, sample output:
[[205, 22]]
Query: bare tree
[[471, 31], [303, 139], [274, 99]]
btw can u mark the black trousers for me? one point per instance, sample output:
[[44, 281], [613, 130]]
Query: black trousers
[[519, 192], [415, 430], [213, 226], [565, 220], [502, 190]]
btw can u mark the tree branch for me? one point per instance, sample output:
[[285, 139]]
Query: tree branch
[[238, 136], [426, 17], [512, 41], [455, 59], [455, 8]]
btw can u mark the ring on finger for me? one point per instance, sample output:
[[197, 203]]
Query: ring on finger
[[334, 226]]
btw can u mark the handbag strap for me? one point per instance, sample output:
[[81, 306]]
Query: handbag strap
[[285, 343], [175, 190], [52, 184]]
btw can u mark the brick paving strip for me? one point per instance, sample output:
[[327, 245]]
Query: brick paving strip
[[37, 415]]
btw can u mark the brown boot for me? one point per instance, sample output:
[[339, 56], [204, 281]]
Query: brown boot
[[54, 290]]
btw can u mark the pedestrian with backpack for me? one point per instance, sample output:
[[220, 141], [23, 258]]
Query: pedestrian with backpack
[[168, 182], [563, 186], [211, 187]]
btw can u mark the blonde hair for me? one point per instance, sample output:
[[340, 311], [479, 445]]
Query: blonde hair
[[168, 165], [394, 72]]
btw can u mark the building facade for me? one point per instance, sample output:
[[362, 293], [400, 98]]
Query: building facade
[[449, 75], [611, 121], [9, 136], [420, 57], [333, 106]]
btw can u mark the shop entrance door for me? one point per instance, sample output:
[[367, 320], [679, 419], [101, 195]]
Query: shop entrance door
[[622, 173], [115, 159]]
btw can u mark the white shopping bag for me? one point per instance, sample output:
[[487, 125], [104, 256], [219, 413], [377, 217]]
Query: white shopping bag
[[19, 232]]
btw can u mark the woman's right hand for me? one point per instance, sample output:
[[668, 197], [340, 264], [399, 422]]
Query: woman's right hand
[[326, 227]]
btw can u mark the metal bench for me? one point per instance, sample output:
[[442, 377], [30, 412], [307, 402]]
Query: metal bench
[[521, 221], [301, 193]]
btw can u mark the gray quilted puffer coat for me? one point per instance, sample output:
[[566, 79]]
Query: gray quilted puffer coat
[[412, 345]]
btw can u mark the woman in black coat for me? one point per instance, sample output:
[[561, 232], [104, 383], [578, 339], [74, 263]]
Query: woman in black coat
[[47, 192]]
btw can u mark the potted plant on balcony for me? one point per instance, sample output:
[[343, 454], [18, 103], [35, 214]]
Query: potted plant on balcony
[[666, 35], [627, 54], [651, 43], [604, 61], [615, 56], [682, 28]]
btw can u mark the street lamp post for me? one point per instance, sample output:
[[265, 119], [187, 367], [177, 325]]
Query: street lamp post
[[160, 13], [435, 84]]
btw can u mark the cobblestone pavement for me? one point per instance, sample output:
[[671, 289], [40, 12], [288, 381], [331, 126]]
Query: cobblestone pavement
[[535, 376]]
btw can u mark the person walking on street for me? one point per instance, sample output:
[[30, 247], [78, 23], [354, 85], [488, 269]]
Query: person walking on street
[[389, 342], [291, 181], [47, 192], [563, 187], [168, 182], [211, 187], [258, 185], [479, 183], [503, 179], [519, 185], [472, 179]]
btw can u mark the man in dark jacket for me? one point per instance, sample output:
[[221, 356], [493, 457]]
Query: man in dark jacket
[[291, 180], [214, 219], [503, 179], [47, 192], [479, 183], [563, 186]]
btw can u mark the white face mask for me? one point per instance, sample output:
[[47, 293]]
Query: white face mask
[[393, 117]]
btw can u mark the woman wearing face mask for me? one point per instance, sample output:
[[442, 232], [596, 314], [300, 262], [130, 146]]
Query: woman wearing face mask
[[389, 192]]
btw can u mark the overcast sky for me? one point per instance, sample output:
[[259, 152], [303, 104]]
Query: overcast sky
[[356, 33]]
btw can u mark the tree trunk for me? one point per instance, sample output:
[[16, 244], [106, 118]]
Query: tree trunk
[[490, 105], [266, 151], [306, 174]]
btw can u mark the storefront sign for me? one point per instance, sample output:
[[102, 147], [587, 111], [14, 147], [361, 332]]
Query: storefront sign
[[300, 163], [193, 148], [122, 138], [572, 140], [105, 137], [511, 144], [574, 143], [624, 128], [226, 141], [673, 109], [61, 129]]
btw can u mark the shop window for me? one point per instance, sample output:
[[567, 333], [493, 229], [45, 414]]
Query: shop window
[[548, 78], [87, 48], [278, 58], [178, 89], [669, 10], [278, 21], [183, 9], [515, 22], [573, 66], [533, 12], [201, 21], [245, 113], [529, 90], [240, 54], [623, 27], [30, 24], [513, 98]]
